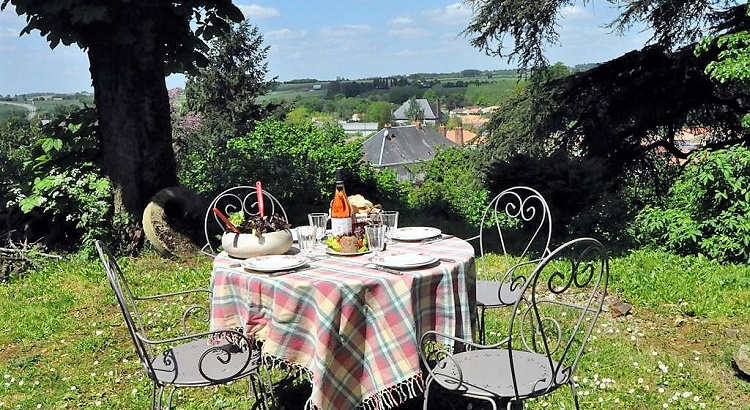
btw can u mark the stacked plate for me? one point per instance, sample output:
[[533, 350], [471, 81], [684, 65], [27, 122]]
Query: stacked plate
[[403, 260], [414, 233], [273, 263]]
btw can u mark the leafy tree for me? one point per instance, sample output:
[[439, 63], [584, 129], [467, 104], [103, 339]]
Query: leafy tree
[[380, 111], [295, 161], [299, 115], [732, 62], [131, 46], [707, 209], [226, 90], [452, 189], [621, 110], [414, 111]]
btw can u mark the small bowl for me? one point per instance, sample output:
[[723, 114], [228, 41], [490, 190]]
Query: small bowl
[[248, 245]]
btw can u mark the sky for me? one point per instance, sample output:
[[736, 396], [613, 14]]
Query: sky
[[329, 39]]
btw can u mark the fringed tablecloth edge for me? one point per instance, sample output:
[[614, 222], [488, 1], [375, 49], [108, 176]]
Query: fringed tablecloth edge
[[396, 395]]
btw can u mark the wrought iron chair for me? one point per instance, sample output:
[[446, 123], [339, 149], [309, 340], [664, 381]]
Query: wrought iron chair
[[190, 360], [517, 224], [240, 198], [546, 335]]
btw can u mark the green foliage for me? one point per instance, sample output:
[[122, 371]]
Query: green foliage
[[82, 21], [414, 111], [572, 186], [225, 91], [732, 64], [16, 137], [295, 161], [66, 188], [451, 188], [707, 211], [491, 93]]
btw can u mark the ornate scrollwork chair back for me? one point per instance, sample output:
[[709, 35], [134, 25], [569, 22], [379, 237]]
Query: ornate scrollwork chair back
[[546, 335], [188, 360], [240, 198], [516, 224]]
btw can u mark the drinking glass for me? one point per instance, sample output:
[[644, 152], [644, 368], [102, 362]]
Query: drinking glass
[[306, 238], [319, 220], [390, 220], [375, 235]]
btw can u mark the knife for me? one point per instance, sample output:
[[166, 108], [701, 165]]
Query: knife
[[384, 269], [439, 238], [285, 272]]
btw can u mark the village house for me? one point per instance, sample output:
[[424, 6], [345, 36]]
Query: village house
[[399, 148]]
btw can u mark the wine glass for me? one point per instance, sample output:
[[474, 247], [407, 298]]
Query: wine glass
[[306, 238], [319, 220], [390, 220], [375, 235]]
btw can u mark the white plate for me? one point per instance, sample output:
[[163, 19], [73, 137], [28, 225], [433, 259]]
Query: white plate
[[273, 263], [415, 233], [337, 253], [403, 260]]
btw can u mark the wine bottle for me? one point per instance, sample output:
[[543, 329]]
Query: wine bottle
[[341, 210]]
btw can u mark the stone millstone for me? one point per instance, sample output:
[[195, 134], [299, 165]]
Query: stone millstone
[[742, 360], [171, 221]]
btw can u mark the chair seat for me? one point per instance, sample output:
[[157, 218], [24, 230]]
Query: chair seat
[[180, 364], [487, 373], [492, 293]]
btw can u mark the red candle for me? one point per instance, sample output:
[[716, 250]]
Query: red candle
[[259, 192]]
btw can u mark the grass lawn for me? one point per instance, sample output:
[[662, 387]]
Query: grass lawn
[[63, 343]]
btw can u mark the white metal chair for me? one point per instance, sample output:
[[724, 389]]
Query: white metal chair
[[240, 198], [192, 360], [517, 224], [547, 333]]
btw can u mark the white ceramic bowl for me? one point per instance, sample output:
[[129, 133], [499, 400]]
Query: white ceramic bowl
[[247, 245]]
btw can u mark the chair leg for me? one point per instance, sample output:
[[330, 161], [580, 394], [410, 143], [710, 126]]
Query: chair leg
[[155, 405], [426, 393], [481, 338], [169, 399], [157, 397], [573, 390]]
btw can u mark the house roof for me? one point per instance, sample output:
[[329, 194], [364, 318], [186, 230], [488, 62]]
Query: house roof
[[430, 112], [403, 145]]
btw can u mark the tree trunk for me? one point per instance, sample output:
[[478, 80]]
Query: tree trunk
[[133, 109]]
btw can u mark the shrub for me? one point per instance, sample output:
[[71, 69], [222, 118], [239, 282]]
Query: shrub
[[707, 210], [296, 162], [452, 188], [66, 197]]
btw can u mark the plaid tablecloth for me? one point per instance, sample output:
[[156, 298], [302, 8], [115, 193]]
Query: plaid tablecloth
[[353, 329]]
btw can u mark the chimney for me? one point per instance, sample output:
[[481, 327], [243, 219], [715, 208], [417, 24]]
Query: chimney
[[441, 130], [460, 135]]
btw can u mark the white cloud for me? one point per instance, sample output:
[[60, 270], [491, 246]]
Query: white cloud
[[452, 14], [285, 34], [346, 30], [254, 12], [408, 33], [399, 21], [8, 33]]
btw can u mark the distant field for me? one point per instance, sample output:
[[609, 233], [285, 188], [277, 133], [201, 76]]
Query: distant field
[[44, 108]]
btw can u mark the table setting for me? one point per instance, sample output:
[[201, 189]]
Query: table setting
[[348, 314]]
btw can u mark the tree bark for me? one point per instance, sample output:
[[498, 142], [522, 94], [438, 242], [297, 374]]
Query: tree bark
[[128, 75]]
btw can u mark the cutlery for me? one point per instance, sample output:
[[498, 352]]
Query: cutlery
[[384, 269], [286, 272], [436, 239]]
